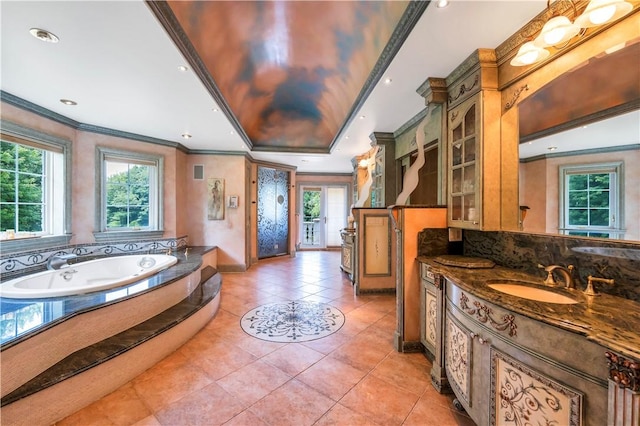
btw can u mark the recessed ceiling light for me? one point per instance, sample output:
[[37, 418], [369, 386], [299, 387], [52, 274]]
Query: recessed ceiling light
[[552, 148], [186, 136], [44, 35], [387, 80], [68, 102], [304, 161], [442, 3], [232, 132], [183, 68], [362, 117], [215, 110], [346, 137]]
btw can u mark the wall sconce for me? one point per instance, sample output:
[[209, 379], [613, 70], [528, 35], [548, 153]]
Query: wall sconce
[[559, 29]]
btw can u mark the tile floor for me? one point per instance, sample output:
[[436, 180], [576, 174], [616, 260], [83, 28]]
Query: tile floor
[[224, 376]]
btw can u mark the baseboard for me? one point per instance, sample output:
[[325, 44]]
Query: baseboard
[[232, 268], [375, 291]]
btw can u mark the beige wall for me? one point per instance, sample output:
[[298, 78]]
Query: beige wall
[[83, 174], [185, 200], [228, 234], [539, 190]]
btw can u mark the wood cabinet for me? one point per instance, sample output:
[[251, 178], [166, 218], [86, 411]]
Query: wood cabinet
[[432, 325], [383, 187], [473, 143], [407, 221], [348, 252]]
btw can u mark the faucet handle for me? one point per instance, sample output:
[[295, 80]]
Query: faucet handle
[[550, 281], [590, 291]]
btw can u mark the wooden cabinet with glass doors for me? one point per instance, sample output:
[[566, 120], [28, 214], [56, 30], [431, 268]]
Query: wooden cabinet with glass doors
[[473, 127]]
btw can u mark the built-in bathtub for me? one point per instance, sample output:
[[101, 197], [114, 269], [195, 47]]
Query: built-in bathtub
[[101, 339], [86, 277]]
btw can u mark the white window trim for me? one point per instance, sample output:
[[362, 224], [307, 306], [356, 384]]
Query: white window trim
[[15, 133], [616, 188], [101, 234]]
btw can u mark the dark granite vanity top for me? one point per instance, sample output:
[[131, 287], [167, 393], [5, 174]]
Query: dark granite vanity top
[[23, 318], [610, 321]]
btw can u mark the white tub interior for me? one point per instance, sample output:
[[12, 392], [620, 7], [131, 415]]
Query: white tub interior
[[85, 277]]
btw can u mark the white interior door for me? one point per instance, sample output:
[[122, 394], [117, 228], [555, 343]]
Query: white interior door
[[323, 214]]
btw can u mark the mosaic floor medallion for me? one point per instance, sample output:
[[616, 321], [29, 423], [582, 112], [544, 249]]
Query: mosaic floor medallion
[[295, 321]]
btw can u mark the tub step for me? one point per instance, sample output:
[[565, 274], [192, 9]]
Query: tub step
[[93, 355]]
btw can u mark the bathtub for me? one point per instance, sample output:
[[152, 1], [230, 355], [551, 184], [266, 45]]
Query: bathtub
[[85, 277]]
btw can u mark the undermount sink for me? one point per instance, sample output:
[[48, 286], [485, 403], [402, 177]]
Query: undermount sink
[[531, 293]]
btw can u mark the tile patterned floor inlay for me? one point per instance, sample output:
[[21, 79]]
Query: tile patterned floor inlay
[[293, 321]]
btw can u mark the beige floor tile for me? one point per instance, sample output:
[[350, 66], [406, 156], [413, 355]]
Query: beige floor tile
[[341, 415], [293, 358], [169, 381], [403, 374], [378, 400], [211, 405], [331, 377], [292, 404], [246, 418], [254, 381], [428, 413]]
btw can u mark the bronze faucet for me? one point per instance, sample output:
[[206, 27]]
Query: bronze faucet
[[566, 272]]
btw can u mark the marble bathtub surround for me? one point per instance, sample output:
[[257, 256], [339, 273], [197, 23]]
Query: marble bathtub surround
[[617, 260], [116, 345], [16, 264], [45, 313]]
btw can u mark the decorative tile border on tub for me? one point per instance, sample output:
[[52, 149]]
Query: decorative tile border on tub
[[19, 263]]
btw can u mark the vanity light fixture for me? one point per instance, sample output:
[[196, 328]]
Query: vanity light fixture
[[68, 102], [560, 30], [44, 35], [600, 12]]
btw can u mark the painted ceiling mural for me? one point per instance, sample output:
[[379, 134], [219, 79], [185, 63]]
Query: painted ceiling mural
[[289, 71]]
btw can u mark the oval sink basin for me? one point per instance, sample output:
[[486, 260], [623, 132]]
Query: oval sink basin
[[532, 293]]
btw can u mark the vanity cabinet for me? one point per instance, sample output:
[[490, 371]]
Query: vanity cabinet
[[432, 325], [473, 144], [506, 368], [348, 251]]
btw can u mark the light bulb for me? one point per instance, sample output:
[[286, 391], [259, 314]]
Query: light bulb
[[602, 15], [528, 54]]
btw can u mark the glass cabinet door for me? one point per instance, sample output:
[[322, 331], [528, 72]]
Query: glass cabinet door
[[463, 171]]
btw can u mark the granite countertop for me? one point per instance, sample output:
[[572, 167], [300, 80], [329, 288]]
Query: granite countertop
[[40, 314], [610, 321]]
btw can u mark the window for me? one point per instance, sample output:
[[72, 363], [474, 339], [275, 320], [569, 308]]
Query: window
[[591, 200], [130, 189], [34, 177]]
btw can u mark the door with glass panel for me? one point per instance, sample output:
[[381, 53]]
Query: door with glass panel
[[323, 213]]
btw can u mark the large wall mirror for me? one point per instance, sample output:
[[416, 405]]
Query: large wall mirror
[[580, 150]]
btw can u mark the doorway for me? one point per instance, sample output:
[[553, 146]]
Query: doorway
[[323, 213], [273, 212]]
